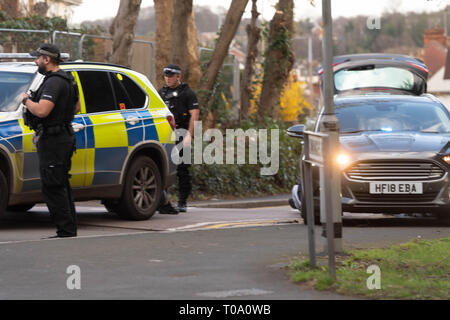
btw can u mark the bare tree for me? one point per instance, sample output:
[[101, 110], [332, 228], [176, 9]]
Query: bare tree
[[227, 33], [10, 7], [279, 59], [195, 72], [181, 13], [122, 31], [163, 15], [253, 36]]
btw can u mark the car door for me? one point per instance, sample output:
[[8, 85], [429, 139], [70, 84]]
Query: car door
[[111, 128]]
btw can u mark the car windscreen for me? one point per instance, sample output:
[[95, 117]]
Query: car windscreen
[[393, 116], [387, 77], [12, 84]]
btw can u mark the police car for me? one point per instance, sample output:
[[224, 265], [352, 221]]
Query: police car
[[124, 134]]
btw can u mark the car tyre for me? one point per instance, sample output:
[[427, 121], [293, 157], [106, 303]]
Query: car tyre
[[142, 190], [316, 213], [20, 207], [4, 194]]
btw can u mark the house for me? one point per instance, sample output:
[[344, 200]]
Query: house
[[49, 8], [439, 83]]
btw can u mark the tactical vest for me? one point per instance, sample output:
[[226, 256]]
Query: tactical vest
[[63, 112], [176, 104]]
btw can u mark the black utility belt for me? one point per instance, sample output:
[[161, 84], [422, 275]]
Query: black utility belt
[[56, 129]]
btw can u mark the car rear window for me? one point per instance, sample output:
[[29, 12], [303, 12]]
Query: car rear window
[[387, 77], [12, 84]]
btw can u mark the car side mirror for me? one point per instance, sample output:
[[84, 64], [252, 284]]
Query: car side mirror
[[296, 131]]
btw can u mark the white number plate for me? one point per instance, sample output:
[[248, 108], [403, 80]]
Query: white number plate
[[396, 187]]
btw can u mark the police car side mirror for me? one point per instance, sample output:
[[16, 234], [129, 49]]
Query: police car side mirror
[[296, 131]]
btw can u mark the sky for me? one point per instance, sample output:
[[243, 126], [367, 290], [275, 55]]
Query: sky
[[99, 9]]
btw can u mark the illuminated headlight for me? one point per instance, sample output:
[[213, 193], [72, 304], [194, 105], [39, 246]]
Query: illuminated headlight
[[446, 159], [343, 160]]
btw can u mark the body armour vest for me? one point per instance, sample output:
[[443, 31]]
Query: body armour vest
[[65, 100]]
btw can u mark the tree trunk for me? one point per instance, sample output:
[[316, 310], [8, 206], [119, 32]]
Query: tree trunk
[[122, 31], [182, 12], [279, 59], [253, 37], [163, 14], [195, 71], [227, 33]]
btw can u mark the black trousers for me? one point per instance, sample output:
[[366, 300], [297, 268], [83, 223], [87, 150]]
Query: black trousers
[[55, 153], [184, 182]]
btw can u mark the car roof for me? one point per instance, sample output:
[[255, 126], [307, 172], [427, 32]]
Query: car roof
[[31, 67], [26, 67]]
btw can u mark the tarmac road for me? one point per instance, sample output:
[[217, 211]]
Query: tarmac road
[[203, 254]]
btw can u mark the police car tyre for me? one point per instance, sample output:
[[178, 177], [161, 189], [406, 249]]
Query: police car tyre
[[4, 193], [20, 207], [142, 190]]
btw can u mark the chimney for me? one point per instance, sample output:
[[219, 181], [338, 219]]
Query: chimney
[[436, 34]]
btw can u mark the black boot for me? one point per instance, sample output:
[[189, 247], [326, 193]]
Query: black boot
[[182, 207], [167, 209]]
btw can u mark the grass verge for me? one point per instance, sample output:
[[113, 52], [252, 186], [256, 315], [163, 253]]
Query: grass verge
[[419, 269]]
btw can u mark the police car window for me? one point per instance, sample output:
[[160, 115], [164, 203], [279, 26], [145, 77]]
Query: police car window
[[123, 100], [97, 91], [136, 94], [12, 84]]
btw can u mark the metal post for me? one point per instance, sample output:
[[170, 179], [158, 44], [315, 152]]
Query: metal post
[[310, 58], [330, 126], [309, 205]]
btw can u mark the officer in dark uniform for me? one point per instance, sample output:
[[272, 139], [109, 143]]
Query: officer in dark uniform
[[50, 111], [183, 103]]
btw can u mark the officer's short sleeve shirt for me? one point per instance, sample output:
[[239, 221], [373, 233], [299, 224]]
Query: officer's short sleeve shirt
[[53, 88], [191, 99]]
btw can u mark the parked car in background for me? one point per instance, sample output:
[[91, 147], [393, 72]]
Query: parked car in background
[[124, 136]]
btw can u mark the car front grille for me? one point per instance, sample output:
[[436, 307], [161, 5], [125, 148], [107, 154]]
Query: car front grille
[[406, 198], [395, 171]]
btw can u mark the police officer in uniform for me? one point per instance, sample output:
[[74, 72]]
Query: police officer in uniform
[[50, 111], [183, 103]]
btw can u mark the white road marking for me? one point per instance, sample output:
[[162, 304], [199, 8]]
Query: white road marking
[[234, 293]]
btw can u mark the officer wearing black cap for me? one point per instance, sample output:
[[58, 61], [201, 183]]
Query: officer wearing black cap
[[183, 103], [50, 111]]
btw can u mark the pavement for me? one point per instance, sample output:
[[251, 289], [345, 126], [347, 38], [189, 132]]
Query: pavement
[[257, 202]]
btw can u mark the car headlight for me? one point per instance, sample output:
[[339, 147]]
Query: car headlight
[[343, 160], [447, 158]]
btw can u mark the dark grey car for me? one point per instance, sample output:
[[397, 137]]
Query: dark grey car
[[394, 142]]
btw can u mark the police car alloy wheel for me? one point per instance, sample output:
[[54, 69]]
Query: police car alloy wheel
[[142, 190]]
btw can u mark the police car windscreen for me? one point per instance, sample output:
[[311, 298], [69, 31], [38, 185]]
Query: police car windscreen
[[12, 84]]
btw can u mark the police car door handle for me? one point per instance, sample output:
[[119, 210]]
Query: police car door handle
[[132, 120], [77, 126]]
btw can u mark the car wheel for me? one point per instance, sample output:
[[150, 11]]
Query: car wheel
[[20, 207], [142, 190], [316, 213], [4, 194]]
